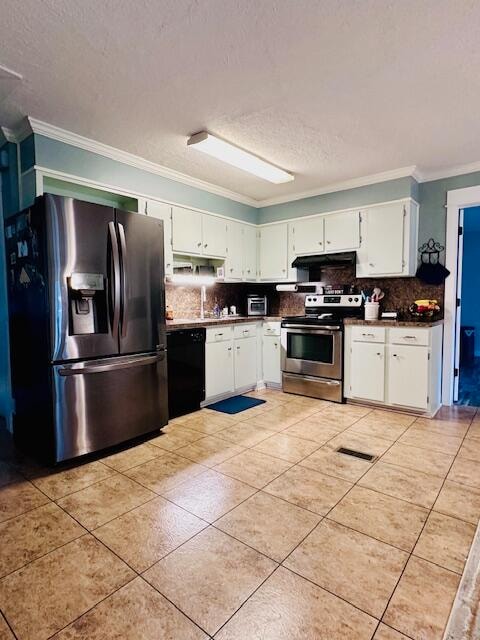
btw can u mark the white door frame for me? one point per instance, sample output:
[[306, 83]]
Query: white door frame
[[457, 199]]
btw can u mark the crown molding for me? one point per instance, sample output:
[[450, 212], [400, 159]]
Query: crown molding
[[342, 186], [449, 172], [62, 135], [32, 125]]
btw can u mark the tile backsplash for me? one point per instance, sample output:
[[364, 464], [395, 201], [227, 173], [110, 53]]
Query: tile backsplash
[[399, 294]]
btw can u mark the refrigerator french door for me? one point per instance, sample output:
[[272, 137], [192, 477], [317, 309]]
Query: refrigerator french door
[[96, 282]]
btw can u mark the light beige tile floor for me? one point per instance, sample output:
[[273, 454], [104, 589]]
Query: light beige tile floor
[[248, 526]]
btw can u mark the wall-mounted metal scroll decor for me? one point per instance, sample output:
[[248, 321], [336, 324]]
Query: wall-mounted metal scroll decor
[[431, 271]]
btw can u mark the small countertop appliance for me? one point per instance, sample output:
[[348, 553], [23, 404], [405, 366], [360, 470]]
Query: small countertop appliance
[[256, 305]]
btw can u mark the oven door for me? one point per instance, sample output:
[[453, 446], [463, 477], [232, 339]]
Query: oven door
[[312, 351]]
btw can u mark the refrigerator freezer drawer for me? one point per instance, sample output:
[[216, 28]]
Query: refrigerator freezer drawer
[[101, 403]]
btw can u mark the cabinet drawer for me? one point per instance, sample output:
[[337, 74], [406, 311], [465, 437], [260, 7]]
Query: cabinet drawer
[[219, 334], [244, 331], [409, 335], [271, 328], [366, 333]]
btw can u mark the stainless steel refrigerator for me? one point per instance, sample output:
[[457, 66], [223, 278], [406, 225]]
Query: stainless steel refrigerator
[[87, 327]]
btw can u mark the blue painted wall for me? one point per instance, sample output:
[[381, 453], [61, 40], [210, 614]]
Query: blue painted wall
[[66, 158], [471, 272], [8, 205]]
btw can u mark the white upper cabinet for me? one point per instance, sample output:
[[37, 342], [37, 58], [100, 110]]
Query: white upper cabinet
[[250, 251], [307, 236], [235, 240], [163, 212], [187, 231], [273, 250], [196, 234], [384, 236], [241, 262], [342, 231], [214, 236], [389, 240]]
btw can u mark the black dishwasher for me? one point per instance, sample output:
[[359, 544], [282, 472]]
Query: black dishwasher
[[186, 370]]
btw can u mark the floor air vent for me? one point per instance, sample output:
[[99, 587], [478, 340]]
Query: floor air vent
[[356, 454]]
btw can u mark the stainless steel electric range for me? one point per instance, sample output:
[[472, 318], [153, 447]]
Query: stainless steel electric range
[[312, 346]]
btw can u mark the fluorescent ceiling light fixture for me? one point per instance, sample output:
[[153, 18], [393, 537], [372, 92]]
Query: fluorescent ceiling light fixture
[[237, 157], [186, 278]]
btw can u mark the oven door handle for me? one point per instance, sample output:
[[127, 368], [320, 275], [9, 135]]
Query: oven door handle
[[325, 330], [329, 383]]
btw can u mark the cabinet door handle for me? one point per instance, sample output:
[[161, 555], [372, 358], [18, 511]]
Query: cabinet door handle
[[199, 244], [205, 245], [320, 242], [379, 354], [238, 348], [368, 335], [231, 268], [370, 264], [218, 334], [409, 337], [229, 349], [328, 242], [394, 355]]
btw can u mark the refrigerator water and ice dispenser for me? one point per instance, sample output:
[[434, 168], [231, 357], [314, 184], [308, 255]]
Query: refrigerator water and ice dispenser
[[87, 303]]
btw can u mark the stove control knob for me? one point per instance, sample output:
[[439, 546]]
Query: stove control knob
[[350, 299], [355, 299], [314, 299]]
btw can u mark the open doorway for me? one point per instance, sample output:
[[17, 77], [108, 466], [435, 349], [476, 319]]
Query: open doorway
[[469, 312]]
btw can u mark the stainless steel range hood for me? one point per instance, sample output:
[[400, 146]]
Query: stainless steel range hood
[[344, 259]]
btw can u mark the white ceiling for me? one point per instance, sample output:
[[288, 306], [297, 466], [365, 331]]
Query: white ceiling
[[329, 89]]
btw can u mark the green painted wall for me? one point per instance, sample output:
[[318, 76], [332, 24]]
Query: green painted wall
[[433, 198], [360, 196], [78, 162]]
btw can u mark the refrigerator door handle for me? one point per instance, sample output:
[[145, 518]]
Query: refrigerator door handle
[[123, 249], [102, 367], [116, 279]]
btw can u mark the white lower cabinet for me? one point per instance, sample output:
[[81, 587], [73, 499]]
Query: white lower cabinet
[[271, 360], [408, 374], [397, 367], [271, 351], [367, 371], [230, 359], [219, 372], [245, 362]]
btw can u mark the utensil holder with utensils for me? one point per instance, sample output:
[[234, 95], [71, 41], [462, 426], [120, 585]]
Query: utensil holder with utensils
[[371, 310]]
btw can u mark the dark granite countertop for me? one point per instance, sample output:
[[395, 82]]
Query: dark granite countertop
[[193, 323], [394, 323]]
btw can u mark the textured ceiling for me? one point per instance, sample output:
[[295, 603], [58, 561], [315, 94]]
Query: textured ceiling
[[328, 89]]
